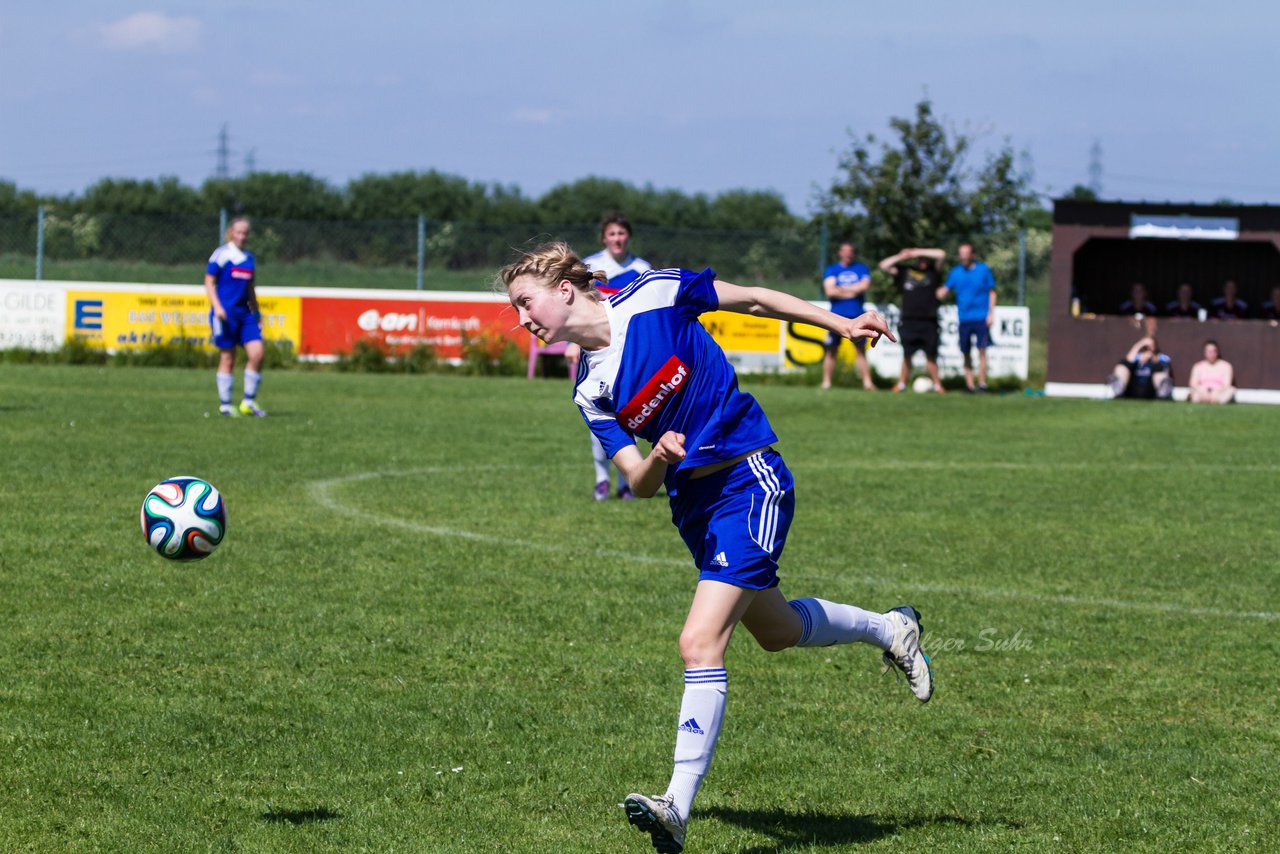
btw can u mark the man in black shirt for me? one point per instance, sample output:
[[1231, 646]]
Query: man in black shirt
[[1271, 308], [1184, 305], [1229, 306], [915, 272], [1137, 305]]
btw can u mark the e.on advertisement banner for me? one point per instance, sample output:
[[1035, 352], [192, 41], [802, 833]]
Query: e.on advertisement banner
[[128, 320], [332, 325]]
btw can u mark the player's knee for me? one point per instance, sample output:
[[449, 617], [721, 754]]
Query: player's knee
[[698, 649]]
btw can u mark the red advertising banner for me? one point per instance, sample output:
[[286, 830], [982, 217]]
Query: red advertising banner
[[333, 324]]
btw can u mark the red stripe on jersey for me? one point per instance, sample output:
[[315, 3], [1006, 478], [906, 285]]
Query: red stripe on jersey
[[660, 388], [241, 273]]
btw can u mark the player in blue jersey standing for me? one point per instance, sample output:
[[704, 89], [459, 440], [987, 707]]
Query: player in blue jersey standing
[[234, 317], [649, 369], [620, 268], [974, 285], [844, 283]]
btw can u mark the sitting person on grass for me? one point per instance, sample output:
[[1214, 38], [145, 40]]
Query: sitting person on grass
[[1212, 378], [1145, 373]]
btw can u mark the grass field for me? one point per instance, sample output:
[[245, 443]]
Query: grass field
[[421, 635]]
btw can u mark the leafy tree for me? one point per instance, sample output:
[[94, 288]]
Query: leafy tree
[[13, 199], [587, 199], [164, 196], [441, 197], [749, 210], [1081, 193], [283, 195], [918, 189]]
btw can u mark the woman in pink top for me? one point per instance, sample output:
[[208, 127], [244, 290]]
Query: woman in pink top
[[1212, 378]]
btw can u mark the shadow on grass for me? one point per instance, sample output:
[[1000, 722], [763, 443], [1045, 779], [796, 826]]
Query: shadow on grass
[[807, 829], [279, 816]]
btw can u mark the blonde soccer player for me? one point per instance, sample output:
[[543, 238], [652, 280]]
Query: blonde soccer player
[[649, 369]]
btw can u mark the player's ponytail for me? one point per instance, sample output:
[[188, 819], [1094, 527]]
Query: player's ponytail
[[551, 263]]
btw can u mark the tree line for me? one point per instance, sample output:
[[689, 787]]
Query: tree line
[[917, 185]]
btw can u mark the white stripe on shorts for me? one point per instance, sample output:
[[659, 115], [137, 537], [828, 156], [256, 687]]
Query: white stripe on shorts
[[768, 480]]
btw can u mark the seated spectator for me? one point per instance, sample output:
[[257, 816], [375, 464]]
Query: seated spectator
[[1137, 304], [1229, 306], [1271, 308], [1184, 305], [1145, 373], [1212, 378]]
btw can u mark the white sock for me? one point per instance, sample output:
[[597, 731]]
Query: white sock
[[600, 460], [225, 384], [251, 380], [827, 623], [701, 713]]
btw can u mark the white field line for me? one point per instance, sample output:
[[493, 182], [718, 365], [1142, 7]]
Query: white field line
[[322, 492]]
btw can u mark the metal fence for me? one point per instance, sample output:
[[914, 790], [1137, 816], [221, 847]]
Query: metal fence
[[406, 253]]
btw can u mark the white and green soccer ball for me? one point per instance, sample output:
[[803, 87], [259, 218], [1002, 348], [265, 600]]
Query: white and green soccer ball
[[184, 518]]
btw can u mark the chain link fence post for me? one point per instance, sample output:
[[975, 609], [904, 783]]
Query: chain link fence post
[[222, 226], [822, 247], [39, 243], [1022, 266], [422, 247]]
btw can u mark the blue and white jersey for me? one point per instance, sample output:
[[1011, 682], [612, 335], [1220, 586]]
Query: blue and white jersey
[[847, 277], [620, 275], [232, 268], [663, 371]]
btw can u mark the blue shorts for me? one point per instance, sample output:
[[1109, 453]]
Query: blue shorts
[[974, 333], [239, 328], [735, 521]]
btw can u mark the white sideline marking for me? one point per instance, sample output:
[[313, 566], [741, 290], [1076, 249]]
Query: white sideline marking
[[322, 493]]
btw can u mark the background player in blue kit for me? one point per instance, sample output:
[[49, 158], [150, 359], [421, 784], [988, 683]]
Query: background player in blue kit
[[228, 280], [974, 285], [648, 368], [844, 283], [620, 268]]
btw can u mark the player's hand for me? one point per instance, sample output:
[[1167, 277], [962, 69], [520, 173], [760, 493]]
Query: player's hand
[[670, 448], [870, 325], [220, 312]]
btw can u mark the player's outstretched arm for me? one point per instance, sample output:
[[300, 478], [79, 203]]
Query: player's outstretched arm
[[645, 474], [763, 302]]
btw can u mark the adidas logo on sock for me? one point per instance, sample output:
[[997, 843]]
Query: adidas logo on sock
[[691, 725], [720, 560]]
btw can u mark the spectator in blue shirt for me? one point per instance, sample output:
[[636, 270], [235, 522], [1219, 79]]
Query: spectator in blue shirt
[[844, 284], [974, 286]]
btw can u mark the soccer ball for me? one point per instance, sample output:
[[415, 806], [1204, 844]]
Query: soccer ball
[[920, 385], [184, 518]]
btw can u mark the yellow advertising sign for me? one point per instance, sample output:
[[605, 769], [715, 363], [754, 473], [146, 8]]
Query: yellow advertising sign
[[117, 320], [804, 346], [741, 333]]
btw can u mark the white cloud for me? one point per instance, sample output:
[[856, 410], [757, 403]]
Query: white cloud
[[152, 31], [534, 115]]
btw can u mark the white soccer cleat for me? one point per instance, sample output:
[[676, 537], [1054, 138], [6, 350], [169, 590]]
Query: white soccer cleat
[[658, 818], [905, 653]]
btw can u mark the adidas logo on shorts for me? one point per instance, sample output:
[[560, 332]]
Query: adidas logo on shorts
[[720, 560]]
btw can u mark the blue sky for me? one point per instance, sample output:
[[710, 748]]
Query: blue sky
[[699, 96]]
